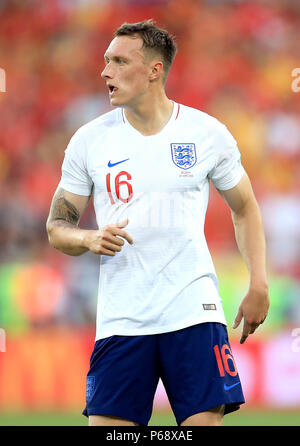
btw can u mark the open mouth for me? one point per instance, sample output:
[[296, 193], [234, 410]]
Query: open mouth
[[112, 89]]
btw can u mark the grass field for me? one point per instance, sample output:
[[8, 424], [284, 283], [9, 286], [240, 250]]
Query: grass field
[[243, 417]]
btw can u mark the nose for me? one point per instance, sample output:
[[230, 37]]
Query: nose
[[106, 72]]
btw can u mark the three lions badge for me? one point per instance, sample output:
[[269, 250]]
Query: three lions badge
[[184, 155]]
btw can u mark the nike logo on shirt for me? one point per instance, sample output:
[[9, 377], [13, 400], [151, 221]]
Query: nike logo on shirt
[[110, 164]]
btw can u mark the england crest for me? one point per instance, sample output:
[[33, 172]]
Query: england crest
[[90, 387], [184, 155]]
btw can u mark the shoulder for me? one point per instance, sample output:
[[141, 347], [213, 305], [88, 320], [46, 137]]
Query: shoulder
[[219, 139], [98, 126], [201, 120], [82, 140]]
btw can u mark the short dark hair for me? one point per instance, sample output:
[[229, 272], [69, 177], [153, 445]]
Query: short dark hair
[[154, 38]]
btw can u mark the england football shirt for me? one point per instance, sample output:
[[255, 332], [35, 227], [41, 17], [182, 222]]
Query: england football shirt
[[166, 280]]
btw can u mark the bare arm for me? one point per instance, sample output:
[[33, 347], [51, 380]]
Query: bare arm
[[250, 239], [65, 235], [62, 224]]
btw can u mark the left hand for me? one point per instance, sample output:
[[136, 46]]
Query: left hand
[[254, 309]]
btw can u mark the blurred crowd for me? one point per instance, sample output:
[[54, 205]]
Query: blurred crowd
[[235, 61]]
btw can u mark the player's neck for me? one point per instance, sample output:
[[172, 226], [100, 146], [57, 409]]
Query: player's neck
[[150, 115]]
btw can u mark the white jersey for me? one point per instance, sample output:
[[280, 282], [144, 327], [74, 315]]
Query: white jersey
[[166, 280]]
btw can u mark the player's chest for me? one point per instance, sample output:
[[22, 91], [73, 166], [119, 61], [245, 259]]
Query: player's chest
[[122, 168]]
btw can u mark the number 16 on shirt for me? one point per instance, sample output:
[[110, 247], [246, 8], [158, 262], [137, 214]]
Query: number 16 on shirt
[[119, 181]]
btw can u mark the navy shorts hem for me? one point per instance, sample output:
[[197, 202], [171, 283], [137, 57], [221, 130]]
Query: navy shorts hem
[[229, 407], [114, 413]]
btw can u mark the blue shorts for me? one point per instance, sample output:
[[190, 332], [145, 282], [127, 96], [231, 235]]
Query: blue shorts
[[195, 365]]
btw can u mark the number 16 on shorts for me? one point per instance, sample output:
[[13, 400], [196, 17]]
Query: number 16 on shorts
[[224, 358]]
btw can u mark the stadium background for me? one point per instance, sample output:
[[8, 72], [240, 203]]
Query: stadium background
[[235, 61]]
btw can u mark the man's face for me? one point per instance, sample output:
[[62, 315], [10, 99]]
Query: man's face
[[126, 70]]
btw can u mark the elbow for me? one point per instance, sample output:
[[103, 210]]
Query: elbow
[[50, 239], [50, 232], [247, 209], [57, 241]]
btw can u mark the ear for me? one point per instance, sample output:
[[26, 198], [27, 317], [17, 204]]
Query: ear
[[157, 68]]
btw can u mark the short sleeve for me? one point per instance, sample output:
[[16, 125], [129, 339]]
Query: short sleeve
[[228, 169], [75, 177]]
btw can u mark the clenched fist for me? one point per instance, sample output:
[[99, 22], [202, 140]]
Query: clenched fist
[[108, 240]]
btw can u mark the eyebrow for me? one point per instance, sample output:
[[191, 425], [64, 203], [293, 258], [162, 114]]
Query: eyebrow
[[114, 57]]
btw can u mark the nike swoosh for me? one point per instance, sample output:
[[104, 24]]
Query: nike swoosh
[[110, 164], [230, 387]]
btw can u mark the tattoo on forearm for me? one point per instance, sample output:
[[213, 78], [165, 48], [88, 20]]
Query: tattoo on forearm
[[62, 209]]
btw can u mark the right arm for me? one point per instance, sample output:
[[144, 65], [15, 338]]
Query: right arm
[[65, 235]]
